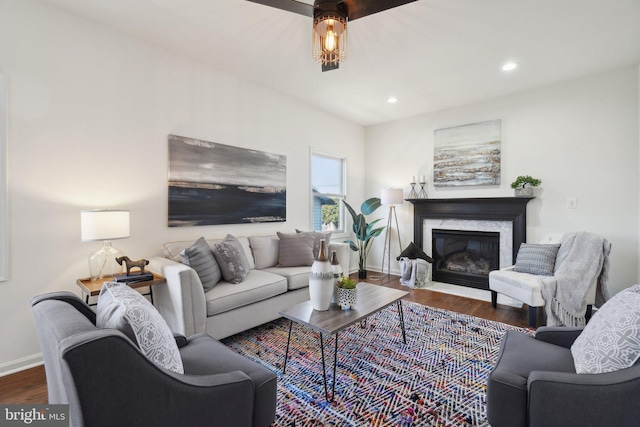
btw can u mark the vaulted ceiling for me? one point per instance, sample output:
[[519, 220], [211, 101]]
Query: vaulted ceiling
[[430, 54]]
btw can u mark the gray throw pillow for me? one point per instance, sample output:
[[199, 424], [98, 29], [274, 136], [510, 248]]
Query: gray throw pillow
[[232, 259], [611, 339], [317, 236], [296, 249], [122, 308], [201, 259], [536, 259]]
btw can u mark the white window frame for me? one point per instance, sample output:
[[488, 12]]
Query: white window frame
[[314, 152]]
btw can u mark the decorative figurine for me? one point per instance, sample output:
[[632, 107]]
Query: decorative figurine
[[130, 264]]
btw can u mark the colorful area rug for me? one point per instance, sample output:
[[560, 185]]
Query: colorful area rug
[[437, 379]]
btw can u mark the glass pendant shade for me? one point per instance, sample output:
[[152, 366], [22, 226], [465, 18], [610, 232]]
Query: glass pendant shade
[[330, 39], [105, 225]]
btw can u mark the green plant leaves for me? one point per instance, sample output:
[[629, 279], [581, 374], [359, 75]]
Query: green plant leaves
[[370, 205], [523, 181], [365, 233]]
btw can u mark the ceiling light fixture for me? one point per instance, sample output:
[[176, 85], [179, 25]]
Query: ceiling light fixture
[[392, 100], [510, 66], [330, 34]]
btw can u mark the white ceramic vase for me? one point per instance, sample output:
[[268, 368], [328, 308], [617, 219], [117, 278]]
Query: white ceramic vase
[[321, 281], [337, 273]]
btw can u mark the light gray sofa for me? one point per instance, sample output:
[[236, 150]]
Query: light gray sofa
[[108, 381], [231, 308]]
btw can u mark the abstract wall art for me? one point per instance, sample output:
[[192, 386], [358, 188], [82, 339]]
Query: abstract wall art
[[211, 183], [467, 155]]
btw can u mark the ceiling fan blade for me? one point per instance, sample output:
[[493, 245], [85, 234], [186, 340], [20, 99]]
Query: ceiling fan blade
[[359, 8], [288, 5], [329, 67]]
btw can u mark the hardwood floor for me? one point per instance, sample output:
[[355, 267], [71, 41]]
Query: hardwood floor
[[29, 386]]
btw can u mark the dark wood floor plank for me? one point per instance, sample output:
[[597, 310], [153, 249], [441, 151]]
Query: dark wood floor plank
[[30, 386]]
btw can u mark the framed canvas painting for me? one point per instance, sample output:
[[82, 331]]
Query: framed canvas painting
[[211, 183], [467, 155]]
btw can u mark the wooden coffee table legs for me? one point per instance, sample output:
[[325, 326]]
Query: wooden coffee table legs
[[335, 353]]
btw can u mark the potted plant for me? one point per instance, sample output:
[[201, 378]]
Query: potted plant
[[347, 293], [365, 233], [523, 186]]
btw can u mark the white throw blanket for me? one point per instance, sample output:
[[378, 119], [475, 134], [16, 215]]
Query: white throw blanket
[[582, 258], [414, 272]]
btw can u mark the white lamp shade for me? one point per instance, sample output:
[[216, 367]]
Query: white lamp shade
[[104, 225], [391, 196]]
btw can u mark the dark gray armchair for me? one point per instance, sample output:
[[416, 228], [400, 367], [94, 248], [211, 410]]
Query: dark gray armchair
[[534, 383], [107, 381]]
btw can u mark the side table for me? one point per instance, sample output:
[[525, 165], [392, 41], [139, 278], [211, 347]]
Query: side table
[[91, 288]]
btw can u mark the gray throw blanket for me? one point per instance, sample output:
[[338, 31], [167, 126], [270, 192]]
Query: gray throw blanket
[[582, 258]]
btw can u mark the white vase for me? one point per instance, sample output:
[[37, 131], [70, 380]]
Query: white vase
[[321, 281], [337, 273]]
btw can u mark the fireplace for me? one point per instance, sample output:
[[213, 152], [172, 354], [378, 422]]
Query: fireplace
[[490, 223], [465, 257]]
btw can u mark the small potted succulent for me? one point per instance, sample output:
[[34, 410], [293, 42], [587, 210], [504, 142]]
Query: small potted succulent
[[523, 186], [347, 293]]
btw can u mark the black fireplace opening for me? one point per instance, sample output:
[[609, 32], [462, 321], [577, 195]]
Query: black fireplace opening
[[465, 257]]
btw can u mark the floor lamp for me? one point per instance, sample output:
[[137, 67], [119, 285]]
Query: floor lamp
[[391, 197]]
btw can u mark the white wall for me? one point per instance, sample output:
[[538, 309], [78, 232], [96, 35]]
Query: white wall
[[90, 110], [580, 138]]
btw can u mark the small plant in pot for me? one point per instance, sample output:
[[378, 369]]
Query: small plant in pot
[[523, 186], [347, 293], [365, 232]]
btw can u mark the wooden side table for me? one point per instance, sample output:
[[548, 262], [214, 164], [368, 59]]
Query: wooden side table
[[91, 288]]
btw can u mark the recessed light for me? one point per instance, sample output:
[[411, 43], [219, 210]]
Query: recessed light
[[510, 66], [392, 100]]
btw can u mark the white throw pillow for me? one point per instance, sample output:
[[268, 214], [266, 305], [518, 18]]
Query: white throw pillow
[[123, 308], [266, 250], [611, 339]]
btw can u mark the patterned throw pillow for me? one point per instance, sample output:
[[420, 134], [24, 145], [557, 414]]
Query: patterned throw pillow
[[611, 339], [232, 259], [317, 236], [536, 259], [122, 308], [295, 249], [201, 259]]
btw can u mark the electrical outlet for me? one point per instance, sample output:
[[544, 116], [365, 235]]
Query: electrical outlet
[[572, 203]]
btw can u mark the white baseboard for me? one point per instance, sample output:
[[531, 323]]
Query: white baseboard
[[21, 364]]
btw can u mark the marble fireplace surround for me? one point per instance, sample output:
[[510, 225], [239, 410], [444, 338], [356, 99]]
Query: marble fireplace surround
[[507, 215]]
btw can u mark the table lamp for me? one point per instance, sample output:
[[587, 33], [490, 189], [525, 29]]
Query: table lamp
[[105, 225]]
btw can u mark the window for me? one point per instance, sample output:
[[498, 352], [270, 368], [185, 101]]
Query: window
[[328, 186]]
